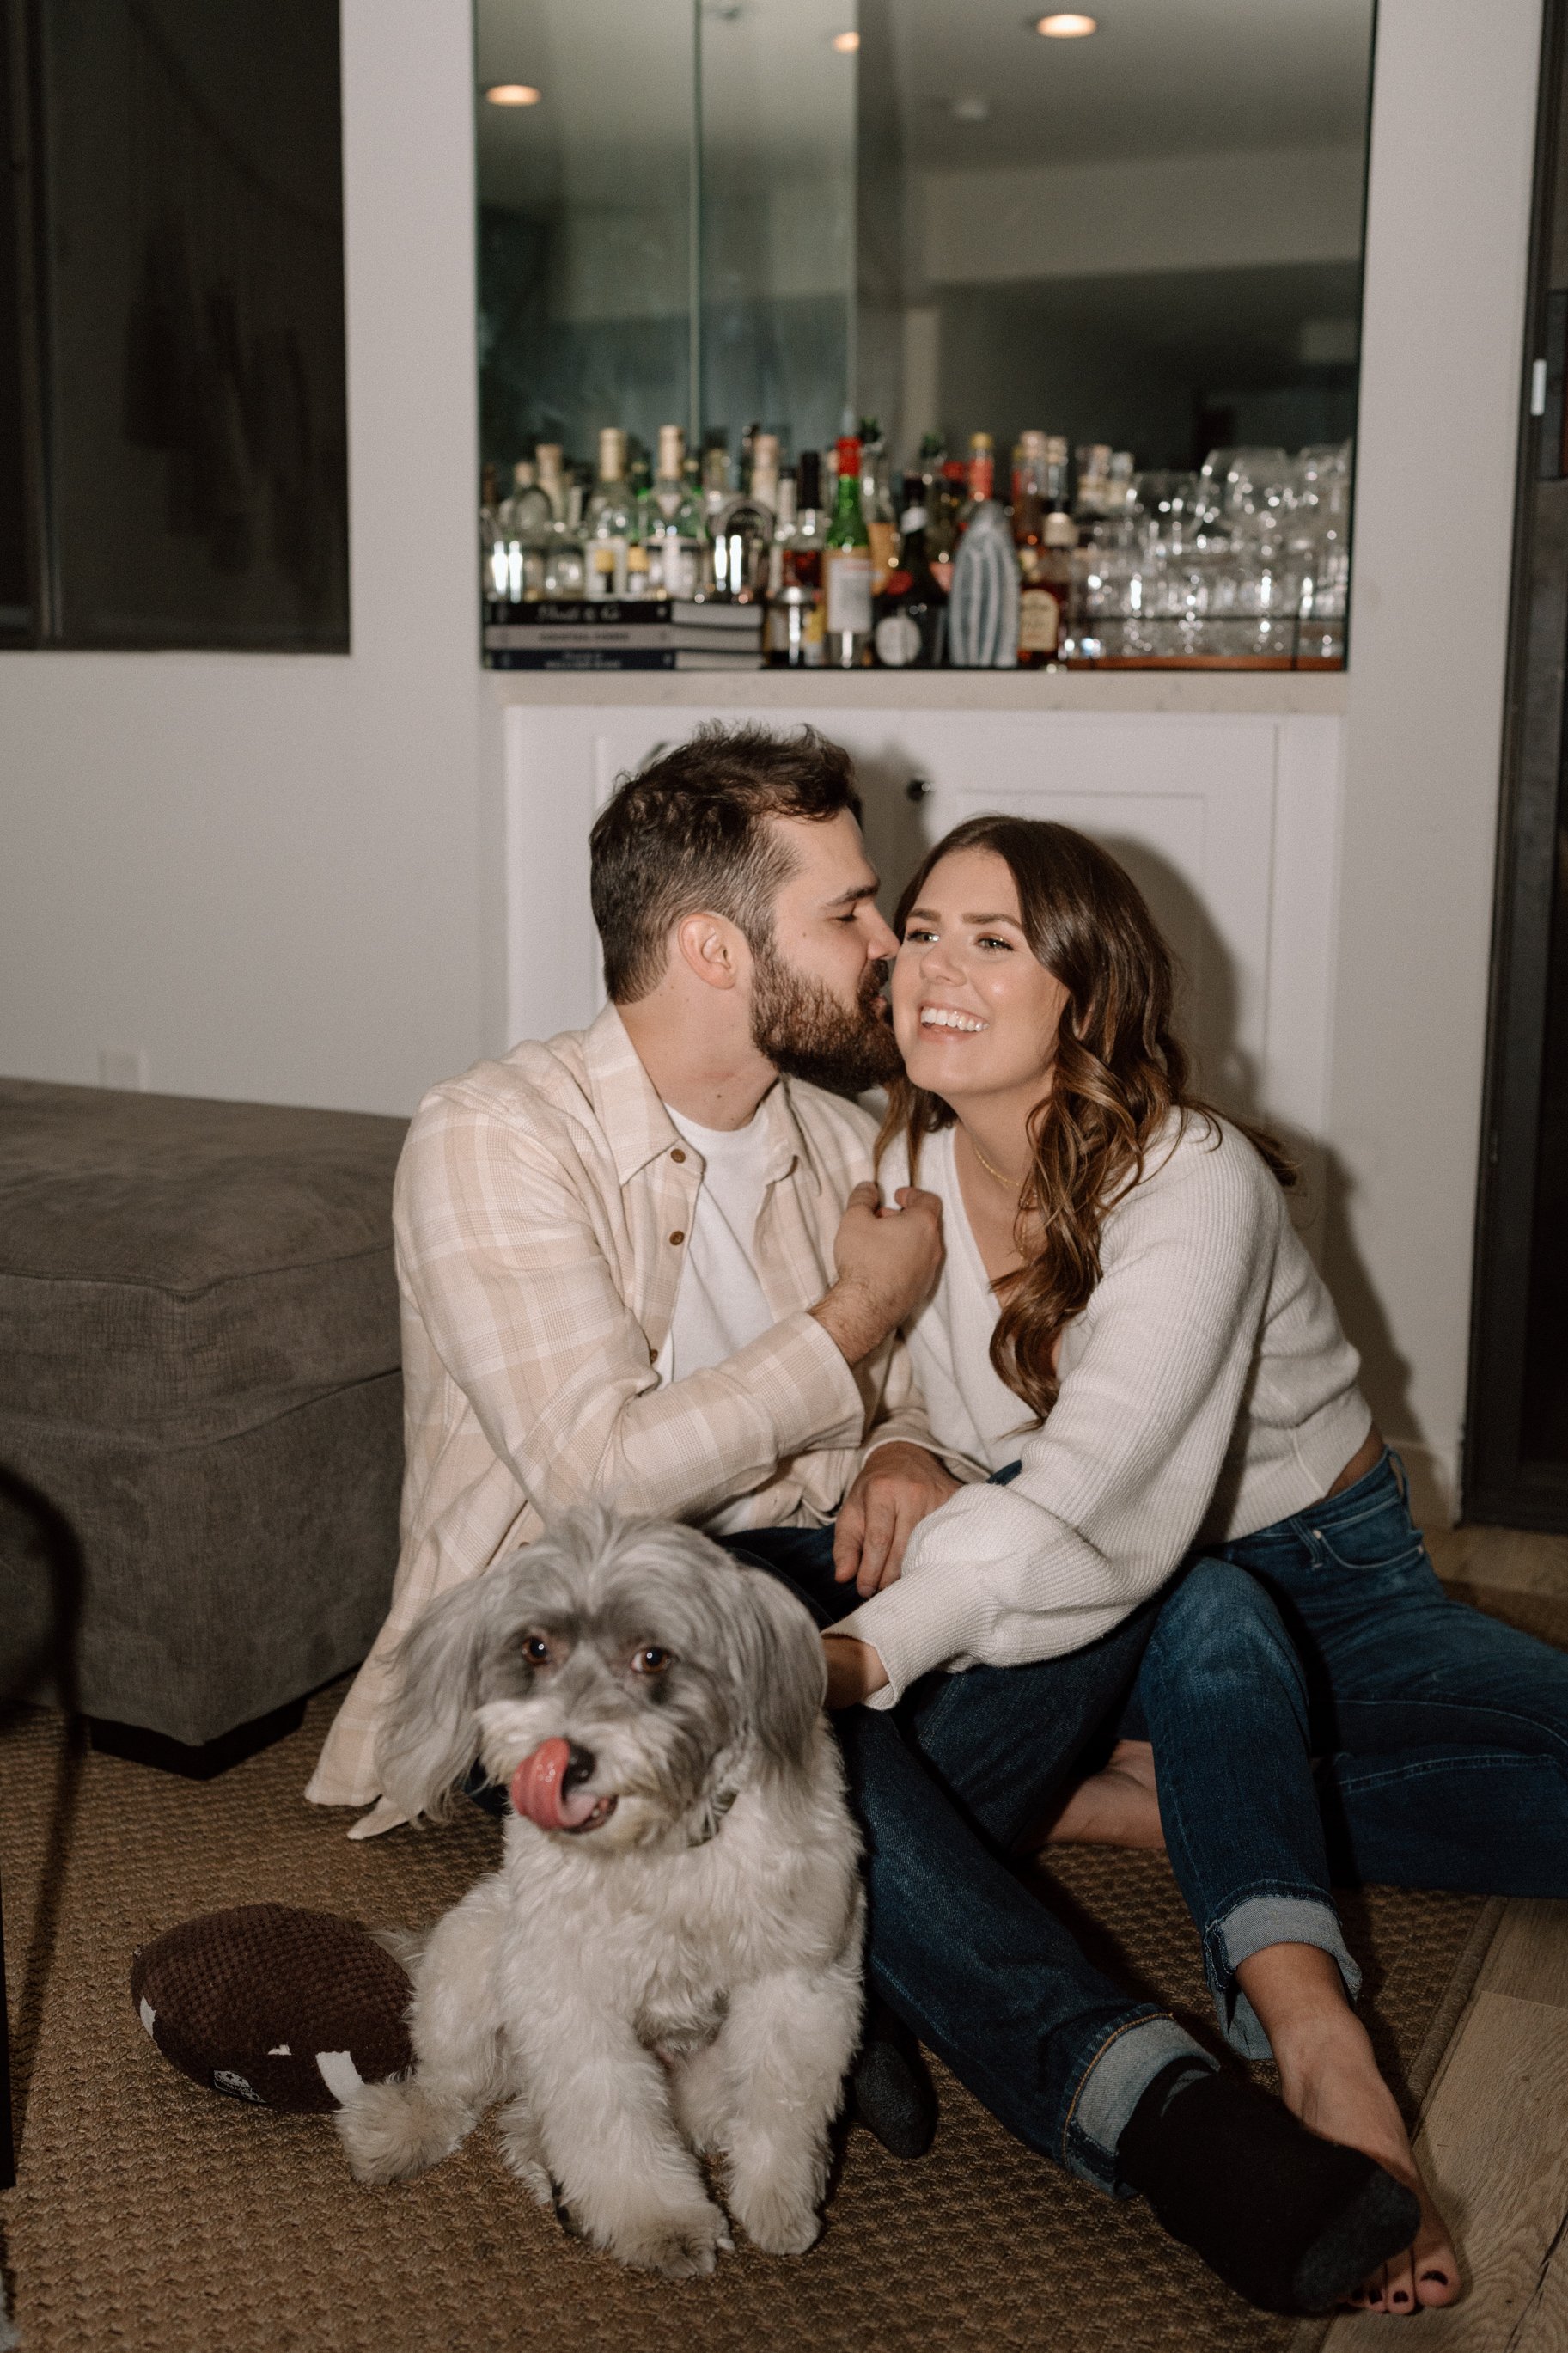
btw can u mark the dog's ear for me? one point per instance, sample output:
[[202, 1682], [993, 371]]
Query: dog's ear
[[430, 1735], [783, 1672]]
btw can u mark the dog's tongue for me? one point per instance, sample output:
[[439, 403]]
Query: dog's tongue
[[537, 1791]]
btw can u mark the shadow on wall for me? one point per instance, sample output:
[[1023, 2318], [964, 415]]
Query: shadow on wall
[[1208, 1020]]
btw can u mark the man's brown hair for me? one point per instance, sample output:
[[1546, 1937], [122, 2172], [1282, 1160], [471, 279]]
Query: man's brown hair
[[689, 836]]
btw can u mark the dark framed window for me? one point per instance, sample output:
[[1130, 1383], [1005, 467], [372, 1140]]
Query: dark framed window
[[172, 354]]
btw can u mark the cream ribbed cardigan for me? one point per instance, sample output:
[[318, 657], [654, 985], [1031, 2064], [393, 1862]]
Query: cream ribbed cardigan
[[1207, 1391]]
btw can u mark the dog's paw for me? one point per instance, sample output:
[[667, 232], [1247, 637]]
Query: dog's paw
[[391, 2131], [683, 2242], [776, 2223], [523, 2151]]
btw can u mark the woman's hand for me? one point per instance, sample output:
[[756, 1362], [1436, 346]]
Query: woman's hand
[[854, 1670], [898, 1485]]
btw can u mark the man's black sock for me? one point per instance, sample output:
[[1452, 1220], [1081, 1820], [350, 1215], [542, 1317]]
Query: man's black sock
[[1290, 2222], [891, 2089]]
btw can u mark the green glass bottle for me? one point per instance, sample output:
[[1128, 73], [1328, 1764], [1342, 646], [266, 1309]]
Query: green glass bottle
[[847, 567]]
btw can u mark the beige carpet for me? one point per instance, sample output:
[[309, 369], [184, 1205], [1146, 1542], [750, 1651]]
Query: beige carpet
[[152, 2217]]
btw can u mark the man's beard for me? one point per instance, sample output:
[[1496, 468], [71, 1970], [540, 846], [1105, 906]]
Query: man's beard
[[806, 1033]]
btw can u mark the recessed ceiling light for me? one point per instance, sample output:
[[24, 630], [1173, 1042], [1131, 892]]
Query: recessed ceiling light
[[513, 93], [974, 109], [1065, 25], [846, 43]]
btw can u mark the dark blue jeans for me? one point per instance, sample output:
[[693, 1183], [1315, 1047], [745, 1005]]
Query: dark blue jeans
[[1441, 1735], [946, 1787]]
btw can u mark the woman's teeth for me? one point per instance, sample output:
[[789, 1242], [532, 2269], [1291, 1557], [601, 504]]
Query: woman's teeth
[[937, 1017]]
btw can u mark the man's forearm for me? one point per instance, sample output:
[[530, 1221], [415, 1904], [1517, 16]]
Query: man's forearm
[[854, 1321]]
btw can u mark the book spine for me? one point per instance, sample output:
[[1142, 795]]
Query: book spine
[[584, 658]]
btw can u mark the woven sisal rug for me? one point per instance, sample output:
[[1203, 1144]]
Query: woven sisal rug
[[152, 2217]]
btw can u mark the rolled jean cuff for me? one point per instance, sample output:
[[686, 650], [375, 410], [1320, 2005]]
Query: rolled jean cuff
[[1268, 1916], [1110, 2088]]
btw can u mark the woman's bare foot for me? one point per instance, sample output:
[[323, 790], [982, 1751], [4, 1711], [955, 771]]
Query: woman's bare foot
[[1119, 1807], [1329, 2077]]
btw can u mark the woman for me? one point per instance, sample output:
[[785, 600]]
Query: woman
[[1126, 1312]]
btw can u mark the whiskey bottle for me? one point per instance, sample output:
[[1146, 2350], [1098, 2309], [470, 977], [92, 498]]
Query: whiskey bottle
[[795, 634], [847, 567], [943, 508], [980, 477], [1045, 594]]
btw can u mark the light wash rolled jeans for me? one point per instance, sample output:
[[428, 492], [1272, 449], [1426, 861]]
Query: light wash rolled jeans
[[1361, 1727]]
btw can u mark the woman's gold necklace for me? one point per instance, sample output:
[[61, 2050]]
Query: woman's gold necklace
[[990, 1168]]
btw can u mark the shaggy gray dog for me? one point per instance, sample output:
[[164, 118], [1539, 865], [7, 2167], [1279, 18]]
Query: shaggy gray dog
[[668, 1960]]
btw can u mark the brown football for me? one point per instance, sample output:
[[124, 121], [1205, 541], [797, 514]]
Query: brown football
[[284, 2008]]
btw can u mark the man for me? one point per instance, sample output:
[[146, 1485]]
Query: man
[[645, 1262]]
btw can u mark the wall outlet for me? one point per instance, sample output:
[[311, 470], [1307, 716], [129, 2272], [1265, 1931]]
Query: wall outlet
[[128, 1067]]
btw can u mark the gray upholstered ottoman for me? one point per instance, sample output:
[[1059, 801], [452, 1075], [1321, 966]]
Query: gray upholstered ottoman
[[200, 1409]]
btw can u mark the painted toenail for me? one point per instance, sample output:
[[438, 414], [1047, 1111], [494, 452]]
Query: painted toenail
[[1441, 2277], [1400, 2296]]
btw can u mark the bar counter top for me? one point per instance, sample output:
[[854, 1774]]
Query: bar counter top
[[1281, 693]]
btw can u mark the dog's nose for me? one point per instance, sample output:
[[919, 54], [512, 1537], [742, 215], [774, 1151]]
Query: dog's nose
[[580, 1763]]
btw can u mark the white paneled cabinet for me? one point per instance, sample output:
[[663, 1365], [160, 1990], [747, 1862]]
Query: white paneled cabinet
[[1227, 821]]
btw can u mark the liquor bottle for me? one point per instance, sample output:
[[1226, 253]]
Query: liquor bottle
[[717, 490], [1038, 614], [1057, 499], [943, 508], [877, 504], [526, 522], [795, 629], [564, 565], [1093, 487], [492, 544], [932, 458], [784, 528], [846, 566], [764, 472], [677, 536], [980, 477], [610, 521], [911, 615], [982, 612], [547, 456], [1045, 594]]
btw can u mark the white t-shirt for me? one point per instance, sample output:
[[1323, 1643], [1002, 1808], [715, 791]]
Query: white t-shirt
[[950, 1336], [719, 1307]]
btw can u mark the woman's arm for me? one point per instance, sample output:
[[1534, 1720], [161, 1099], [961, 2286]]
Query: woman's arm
[[1114, 1487]]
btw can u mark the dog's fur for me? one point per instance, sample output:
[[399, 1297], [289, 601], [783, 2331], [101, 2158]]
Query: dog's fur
[[684, 1977]]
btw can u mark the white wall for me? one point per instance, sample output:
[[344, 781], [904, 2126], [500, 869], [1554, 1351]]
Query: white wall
[[264, 869], [1448, 224], [281, 876]]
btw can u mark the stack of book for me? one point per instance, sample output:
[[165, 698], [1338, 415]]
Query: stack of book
[[621, 633]]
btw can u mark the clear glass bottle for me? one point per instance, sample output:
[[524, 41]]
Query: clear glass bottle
[[783, 528], [796, 630], [716, 488], [677, 536], [764, 475], [564, 566], [944, 506], [1093, 487], [847, 567], [548, 457], [493, 566], [526, 523], [876, 503], [610, 525]]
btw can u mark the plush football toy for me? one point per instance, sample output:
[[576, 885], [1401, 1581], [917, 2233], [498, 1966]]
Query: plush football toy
[[287, 2009]]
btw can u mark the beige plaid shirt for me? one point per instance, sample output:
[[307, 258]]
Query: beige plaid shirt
[[540, 1206]]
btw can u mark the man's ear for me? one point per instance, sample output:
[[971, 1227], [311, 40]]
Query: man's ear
[[713, 948]]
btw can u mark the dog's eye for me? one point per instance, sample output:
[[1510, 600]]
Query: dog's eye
[[650, 1660], [536, 1650]]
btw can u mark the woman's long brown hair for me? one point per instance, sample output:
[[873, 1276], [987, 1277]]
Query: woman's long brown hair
[[1119, 1072]]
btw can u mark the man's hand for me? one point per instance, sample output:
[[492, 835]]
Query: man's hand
[[854, 1670], [887, 1260], [898, 1485]]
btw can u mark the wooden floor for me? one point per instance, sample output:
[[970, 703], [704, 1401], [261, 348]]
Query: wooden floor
[[1494, 2126]]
